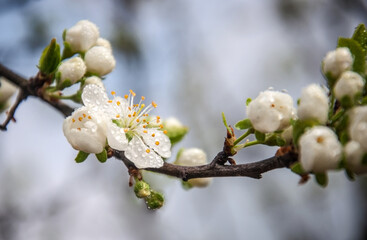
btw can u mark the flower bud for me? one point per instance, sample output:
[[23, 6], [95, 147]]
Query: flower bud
[[7, 90], [142, 189], [337, 61], [72, 69], [270, 111], [155, 200], [85, 131], [82, 36], [354, 154], [313, 104], [175, 129], [99, 60], [193, 157], [349, 84], [94, 80], [357, 127], [104, 43], [320, 150]]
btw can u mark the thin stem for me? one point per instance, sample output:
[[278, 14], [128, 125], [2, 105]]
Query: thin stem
[[238, 140]]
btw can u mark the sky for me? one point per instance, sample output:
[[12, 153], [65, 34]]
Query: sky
[[196, 59]]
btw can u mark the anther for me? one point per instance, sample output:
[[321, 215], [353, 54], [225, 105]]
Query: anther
[[80, 119], [157, 143], [154, 104], [126, 130], [118, 103], [113, 92], [142, 98], [148, 150], [165, 132], [73, 120], [126, 96], [132, 93]]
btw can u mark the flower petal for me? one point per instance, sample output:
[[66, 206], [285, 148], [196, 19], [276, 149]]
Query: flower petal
[[157, 140], [116, 137], [95, 98], [141, 155]]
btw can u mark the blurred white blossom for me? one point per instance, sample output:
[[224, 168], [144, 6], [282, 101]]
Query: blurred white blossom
[[349, 84], [271, 111], [99, 60], [357, 128], [85, 130], [104, 43], [94, 80], [319, 150], [194, 157], [82, 36], [72, 69], [7, 90], [354, 154], [314, 104], [337, 61]]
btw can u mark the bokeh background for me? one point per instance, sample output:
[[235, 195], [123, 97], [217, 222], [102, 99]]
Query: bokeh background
[[196, 59]]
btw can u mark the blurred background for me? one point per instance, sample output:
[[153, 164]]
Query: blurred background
[[196, 59]]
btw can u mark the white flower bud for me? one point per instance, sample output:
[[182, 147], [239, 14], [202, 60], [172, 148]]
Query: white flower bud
[[72, 69], [104, 43], [271, 111], [194, 157], [320, 149], [85, 131], [313, 104], [337, 61], [349, 84], [7, 90], [99, 60], [357, 128], [82, 36], [94, 80], [354, 153]]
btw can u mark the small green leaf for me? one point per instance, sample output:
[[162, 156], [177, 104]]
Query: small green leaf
[[360, 35], [64, 35], [243, 124], [67, 52], [81, 157], [357, 51], [225, 123], [248, 100], [50, 58], [186, 185], [66, 83], [102, 156], [321, 179], [155, 200], [297, 168], [260, 136], [299, 127]]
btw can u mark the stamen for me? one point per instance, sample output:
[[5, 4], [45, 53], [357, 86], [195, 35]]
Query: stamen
[[118, 116], [126, 130], [113, 92], [148, 150], [84, 115], [142, 98], [157, 143], [118, 103], [126, 96], [80, 119], [73, 120], [165, 132], [109, 101], [145, 131], [79, 129], [129, 115], [161, 126], [138, 120], [144, 126], [89, 117], [132, 93], [154, 104], [153, 135]]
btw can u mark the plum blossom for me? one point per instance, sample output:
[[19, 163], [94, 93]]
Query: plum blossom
[[82, 36], [127, 127], [72, 69], [99, 60], [349, 84], [337, 61], [271, 111]]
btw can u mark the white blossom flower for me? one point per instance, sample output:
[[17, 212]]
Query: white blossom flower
[[94, 80], [271, 111], [82, 36], [127, 127], [72, 69], [99, 60], [357, 127], [313, 104], [354, 154], [320, 149], [85, 130], [349, 84], [104, 43], [337, 61], [194, 157], [7, 90]]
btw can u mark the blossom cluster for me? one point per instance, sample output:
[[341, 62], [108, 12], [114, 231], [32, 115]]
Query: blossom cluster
[[328, 127]]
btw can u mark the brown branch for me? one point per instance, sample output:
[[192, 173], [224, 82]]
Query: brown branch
[[216, 168], [252, 170], [21, 96]]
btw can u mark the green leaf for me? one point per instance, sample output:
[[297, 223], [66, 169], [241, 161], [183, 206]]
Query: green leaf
[[357, 51], [346, 102], [260, 136], [248, 100], [321, 179], [186, 185], [102, 156], [243, 124], [66, 83], [67, 52], [299, 127], [155, 200], [297, 168], [364, 159], [81, 157], [64, 35], [50, 58], [360, 35]]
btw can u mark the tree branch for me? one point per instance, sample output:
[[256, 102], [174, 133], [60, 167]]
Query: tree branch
[[216, 168]]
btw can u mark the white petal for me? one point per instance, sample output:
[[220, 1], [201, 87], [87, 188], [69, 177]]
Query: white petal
[[141, 155], [95, 97], [116, 137], [158, 141]]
